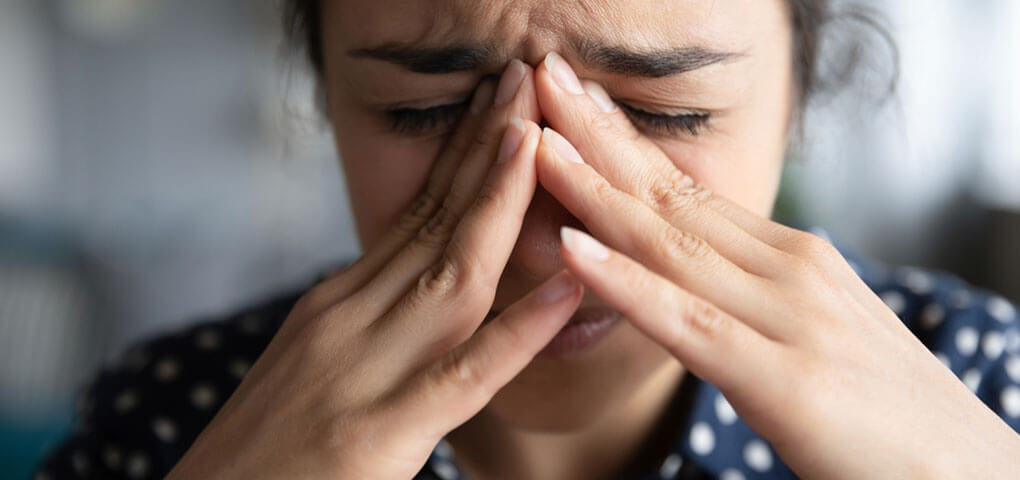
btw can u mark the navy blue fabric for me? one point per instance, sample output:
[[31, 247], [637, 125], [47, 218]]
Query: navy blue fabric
[[140, 414]]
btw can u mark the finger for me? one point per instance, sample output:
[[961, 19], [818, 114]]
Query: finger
[[712, 344], [343, 282], [464, 379], [629, 225], [608, 141], [458, 290], [514, 97]]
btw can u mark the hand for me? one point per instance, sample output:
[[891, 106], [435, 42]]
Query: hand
[[377, 363], [774, 317]]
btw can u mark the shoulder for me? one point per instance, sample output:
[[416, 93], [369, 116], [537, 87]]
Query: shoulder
[[140, 413], [973, 331]]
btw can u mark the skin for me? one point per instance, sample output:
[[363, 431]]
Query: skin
[[602, 403], [470, 267]]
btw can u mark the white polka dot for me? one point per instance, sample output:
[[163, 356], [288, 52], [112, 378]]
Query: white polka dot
[[731, 474], [1000, 309], [1013, 340], [758, 456], [993, 344], [443, 449], [702, 438], [972, 379], [1010, 400], [250, 325], [932, 316], [1013, 367], [944, 359], [967, 341], [670, 466], [917, 281], [895, 301], [208, 339], [239, 367], [125, 401], [724, 410], [137, 465], [135, 359], [445, 470], [113, 457], [167, 369], [80, 463], [961, 299], [165, 429], [203, 396]]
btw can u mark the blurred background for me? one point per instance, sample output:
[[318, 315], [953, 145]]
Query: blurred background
[[162, 161]]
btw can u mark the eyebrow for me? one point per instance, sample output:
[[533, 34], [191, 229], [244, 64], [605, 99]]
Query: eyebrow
[[432, 60], [611, 59], [653, 63]]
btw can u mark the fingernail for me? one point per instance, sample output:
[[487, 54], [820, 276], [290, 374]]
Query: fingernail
[[583, 245], [562, 73], [510, 82], [556, 289], [599, 95], [560, 145], [511, 140], [483, 97]]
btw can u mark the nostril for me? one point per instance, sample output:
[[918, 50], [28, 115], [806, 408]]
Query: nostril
[[543, 124]]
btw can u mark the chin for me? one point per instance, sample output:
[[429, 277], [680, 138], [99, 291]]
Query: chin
[[569, 394]]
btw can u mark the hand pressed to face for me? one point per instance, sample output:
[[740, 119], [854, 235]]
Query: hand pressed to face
[[774, 317]]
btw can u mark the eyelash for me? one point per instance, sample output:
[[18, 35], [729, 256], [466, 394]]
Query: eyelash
[[418, 121]]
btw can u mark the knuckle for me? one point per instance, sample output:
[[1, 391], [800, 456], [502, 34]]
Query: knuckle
[[678, 245], [453, 281], [600, 122], [676, 194], [421, 209], [466, 376], [812, 246], [701, 319], [602, 190], [314, 300], [438, 229]]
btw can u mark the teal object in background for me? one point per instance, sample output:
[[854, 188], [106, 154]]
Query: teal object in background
[[23, 444]]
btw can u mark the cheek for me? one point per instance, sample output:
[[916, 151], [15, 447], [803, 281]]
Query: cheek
[[747, 176], [383, 175]]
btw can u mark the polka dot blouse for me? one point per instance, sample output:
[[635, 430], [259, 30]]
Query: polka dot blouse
[[140, 414]]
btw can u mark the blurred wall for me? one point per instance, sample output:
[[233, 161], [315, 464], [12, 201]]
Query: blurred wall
[[161, 161]]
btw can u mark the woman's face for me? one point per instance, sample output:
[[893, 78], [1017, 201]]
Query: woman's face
[[731, 115]]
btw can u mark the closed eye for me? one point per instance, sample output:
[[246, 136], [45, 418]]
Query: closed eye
[[692, 123], [420, 121]]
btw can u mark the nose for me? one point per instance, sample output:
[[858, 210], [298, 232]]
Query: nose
[[537, 252]]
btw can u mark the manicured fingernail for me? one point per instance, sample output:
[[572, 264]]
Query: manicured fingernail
[[562, 73], [599, 95], [511, 140], [583, 245], [483, 97], [556, 289], [560, 145], [510, 82]]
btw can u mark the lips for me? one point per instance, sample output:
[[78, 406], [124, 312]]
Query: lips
[[592, 313]]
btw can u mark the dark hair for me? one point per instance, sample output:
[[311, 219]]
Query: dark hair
[[810, 21]]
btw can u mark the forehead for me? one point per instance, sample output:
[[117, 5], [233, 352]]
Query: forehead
[[524, 28]]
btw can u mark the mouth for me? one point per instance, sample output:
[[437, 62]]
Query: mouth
[[586, 327]]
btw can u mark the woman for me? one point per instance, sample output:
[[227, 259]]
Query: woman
[[601, 298]]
